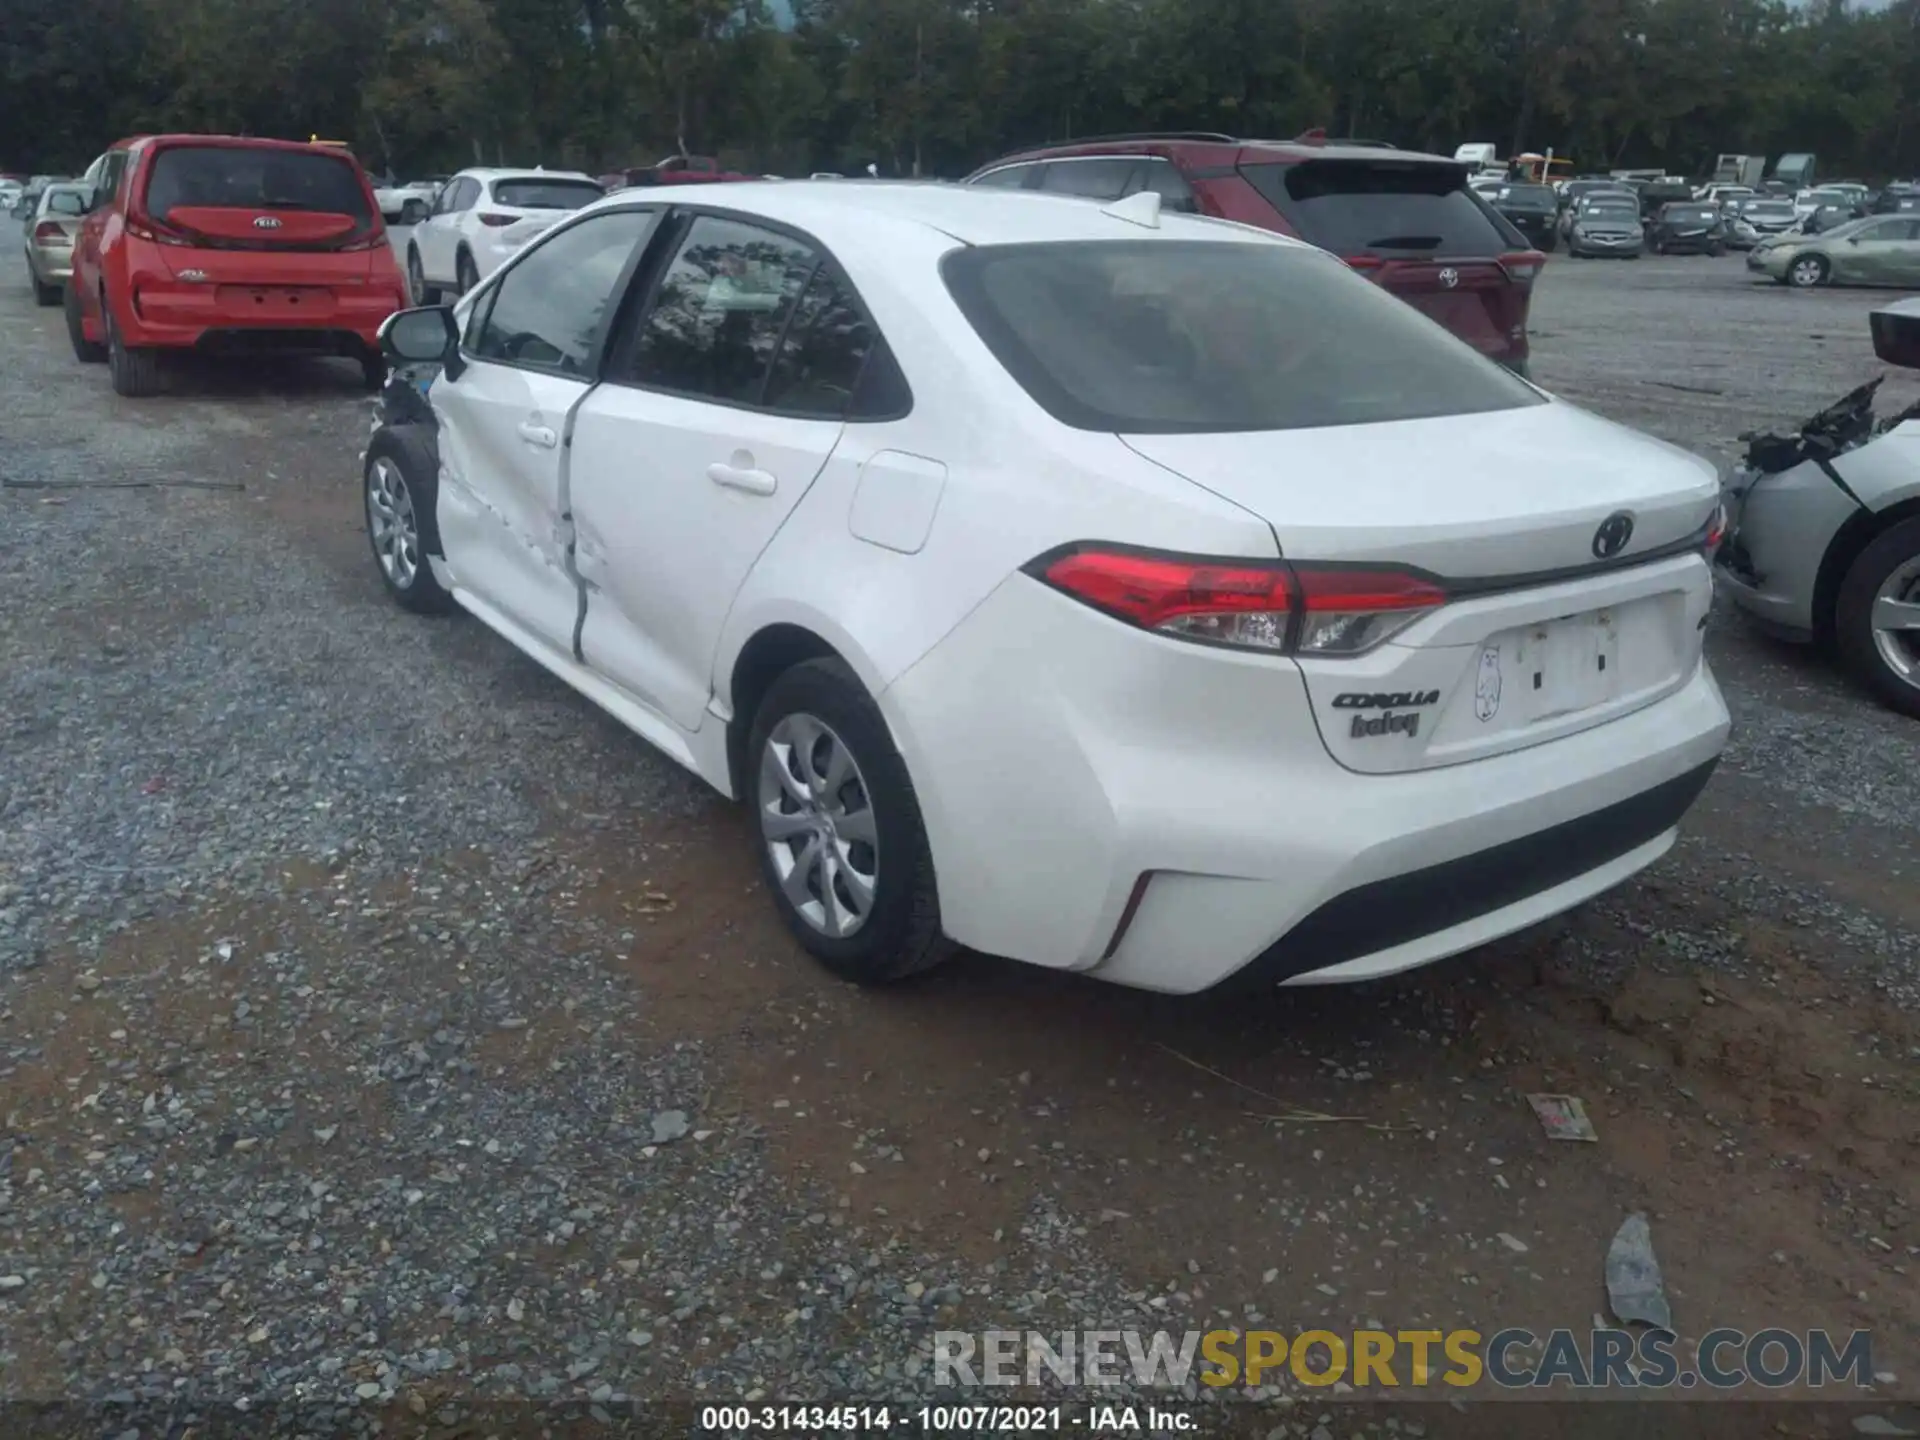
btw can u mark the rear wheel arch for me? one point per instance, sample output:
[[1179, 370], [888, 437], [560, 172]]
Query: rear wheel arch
[[768, 654], [1860, 530]]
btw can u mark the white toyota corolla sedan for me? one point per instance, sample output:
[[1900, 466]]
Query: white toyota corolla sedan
[[1120, 591]]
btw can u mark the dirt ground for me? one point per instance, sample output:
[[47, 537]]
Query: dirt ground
[[1742, 1023]]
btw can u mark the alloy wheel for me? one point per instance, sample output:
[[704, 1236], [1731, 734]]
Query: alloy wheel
[[1896, 621], [390, 522], [1806, 272], [817, 821]]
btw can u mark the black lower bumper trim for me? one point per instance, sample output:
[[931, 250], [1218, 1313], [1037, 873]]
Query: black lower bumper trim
[[1393, 911]]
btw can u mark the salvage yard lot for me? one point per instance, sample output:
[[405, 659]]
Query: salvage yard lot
[[378, 1020]]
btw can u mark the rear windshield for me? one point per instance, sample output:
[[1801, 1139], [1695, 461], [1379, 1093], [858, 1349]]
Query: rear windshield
[[255, 178], [1365, 207], [1529, 197], [66, 202], [546, 194], [1177, 336]]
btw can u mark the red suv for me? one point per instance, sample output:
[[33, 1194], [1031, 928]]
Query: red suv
[[1408, 220], [219, 244]]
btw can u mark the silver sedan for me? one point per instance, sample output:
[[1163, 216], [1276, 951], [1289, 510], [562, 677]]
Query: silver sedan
[[50, 233], [1880, 250], [1823, 542]]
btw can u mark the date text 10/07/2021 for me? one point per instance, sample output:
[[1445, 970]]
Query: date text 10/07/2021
[[1086, 1419]]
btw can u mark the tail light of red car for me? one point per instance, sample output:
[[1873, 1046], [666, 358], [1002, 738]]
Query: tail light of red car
[[1272, 605], [51, 232], [1524, 265], [142, 227]]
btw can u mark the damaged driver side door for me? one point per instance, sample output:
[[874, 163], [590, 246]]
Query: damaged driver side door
[[531, 350]]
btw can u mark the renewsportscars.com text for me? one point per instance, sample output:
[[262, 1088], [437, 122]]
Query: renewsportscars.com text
[[1725, 1359]]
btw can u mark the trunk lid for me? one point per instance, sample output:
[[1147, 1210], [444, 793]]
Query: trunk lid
[[1550, 628], [254, 228]]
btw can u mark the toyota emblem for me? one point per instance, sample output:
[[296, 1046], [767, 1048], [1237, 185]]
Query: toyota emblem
[[1612, 536], [1449, 277], [266, 222]]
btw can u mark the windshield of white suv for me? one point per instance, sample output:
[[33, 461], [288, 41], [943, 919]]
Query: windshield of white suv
[[1176, 336]]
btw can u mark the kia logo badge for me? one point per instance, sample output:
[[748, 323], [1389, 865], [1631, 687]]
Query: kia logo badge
[[1449, 278], [266, 222], [1612, 536]]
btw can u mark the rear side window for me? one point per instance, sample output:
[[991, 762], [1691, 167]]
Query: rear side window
[[1178, 336], [546, 194], [818, 365], [1097, 178], [1366, 207], [721, 310], [255, 178]]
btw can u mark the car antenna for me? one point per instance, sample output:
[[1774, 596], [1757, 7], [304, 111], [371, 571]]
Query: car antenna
[[1141, 208]]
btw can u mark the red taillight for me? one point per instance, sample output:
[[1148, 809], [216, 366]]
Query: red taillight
[[1523, 264], [1347, 610], [157, 233], [1364, 262], [1716, 528], [50, 232], [494, 220], [372, 240], [1251, 604]]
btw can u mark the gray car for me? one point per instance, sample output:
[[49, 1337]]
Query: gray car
[[50, 233], [1823, 533], [1605, 223]]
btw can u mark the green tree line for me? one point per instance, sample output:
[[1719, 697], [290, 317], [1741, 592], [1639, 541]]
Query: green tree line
[[936, 86]]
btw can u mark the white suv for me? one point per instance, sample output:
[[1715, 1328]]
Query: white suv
[[484, 216]]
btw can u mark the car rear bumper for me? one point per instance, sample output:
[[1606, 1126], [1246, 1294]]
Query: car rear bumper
[[186, 316], [1167, 816], [52, 264], [1780, 528]]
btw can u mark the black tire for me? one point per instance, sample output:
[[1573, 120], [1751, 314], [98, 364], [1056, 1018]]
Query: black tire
[[136, 370], [466, 274], [1813, 266], [44, 295], [1895, 548], [422, 292], [411, 453], [87, 352], [901, 935]]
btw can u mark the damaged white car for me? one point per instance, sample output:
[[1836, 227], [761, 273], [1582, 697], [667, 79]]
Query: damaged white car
[[1824, 544], [1124, 592]]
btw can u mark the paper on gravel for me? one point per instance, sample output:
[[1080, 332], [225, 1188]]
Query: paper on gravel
[[1563, 1117], [1634, 1288]]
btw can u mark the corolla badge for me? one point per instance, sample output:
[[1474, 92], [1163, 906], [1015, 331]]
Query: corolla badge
[[266, 222], [1449, 278], [1486, 687], [1612, 536]]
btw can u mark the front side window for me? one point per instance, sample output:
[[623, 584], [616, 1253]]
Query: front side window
[[720, 312], [550, 309], [1175, 336]]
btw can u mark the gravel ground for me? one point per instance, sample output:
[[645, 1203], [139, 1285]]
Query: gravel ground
[[386, 1034]]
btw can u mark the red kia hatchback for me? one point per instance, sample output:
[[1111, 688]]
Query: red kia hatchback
[[1408, 220], [219, 244]]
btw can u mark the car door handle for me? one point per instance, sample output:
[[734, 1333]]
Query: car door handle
[[754, 482], [538, 435]]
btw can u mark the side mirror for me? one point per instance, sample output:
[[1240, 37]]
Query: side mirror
[[1853, 239], [413, 212], [426, 335]]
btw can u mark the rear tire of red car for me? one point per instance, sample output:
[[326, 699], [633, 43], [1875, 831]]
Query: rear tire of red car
[[87, 352], [136, 369]]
